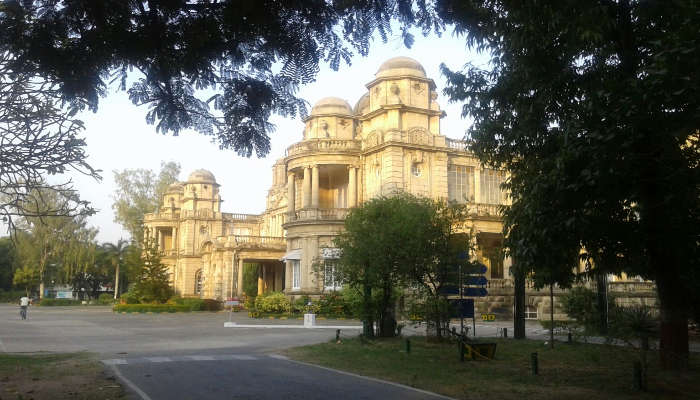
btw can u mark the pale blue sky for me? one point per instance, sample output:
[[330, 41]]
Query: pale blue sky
[[119, 138]]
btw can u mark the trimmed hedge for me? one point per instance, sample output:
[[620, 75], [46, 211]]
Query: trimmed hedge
[[196, 304], [11, 296], [156, 308], [59, 302]]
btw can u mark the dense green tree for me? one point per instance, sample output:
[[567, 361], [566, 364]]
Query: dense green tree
[[221, 67], [390, 243], [7, 263], [153, 283], [26, 278], [140, 191], [55, 246], [593, 107]]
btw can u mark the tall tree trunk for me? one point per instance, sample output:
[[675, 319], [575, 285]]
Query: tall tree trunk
[[387, 323], [519, 303], [602, 296], [116, 283], [551, 316], [367, 320], [673, 347]]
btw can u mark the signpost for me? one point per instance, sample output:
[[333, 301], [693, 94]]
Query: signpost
[[470, 285]]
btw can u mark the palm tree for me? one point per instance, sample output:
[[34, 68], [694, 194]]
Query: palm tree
[[116, 253]]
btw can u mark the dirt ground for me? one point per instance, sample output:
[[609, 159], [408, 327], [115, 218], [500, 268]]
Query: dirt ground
[[56, 376]]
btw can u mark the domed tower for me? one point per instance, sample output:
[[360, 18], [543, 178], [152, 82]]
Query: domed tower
[[173, 196], [201, 192], [331, 118], [402, 89]]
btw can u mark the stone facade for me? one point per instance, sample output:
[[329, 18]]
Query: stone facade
[[390, 140]]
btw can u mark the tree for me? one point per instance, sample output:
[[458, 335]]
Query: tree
[[54, 246], [39, 136], [26, 278], [593, 109], [251, 55], [7, 263], [140, 191], [153, 283], [116, 255], [390, 242]]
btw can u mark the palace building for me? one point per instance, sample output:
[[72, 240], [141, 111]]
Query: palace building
[[390, 141]]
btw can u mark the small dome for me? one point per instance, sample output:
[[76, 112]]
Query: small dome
[[362, 104], [331, 105], [201, 176], [401, 66], [175, 187]]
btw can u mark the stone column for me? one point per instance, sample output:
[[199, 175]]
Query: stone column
[[290, 193], [306, 189], [352, 187], [261, 284], [239, 284], [159, 244], [314, 186], [477, 185], [174, 245]]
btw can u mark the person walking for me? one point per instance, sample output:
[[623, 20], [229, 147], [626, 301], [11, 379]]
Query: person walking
[[23, 304]]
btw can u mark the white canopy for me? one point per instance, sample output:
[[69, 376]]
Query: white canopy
[[292, 255]]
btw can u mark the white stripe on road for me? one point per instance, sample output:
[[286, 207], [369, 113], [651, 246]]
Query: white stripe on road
[[115, 361], [159, 359], [130, 384], [201, 358], [236, 357]]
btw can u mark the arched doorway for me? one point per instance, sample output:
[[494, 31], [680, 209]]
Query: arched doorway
[[198, 282]]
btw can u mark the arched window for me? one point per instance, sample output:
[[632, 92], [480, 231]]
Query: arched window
[[198, 282]]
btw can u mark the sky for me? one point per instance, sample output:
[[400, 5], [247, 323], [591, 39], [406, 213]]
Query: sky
[[119, 138]]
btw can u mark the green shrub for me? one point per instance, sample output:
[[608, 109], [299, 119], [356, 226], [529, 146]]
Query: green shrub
[[156, 308], [274, 302], [11, 296], [249, 303], [196, 304], [333, 305], [581, 304], [105, 298], [59, 302]]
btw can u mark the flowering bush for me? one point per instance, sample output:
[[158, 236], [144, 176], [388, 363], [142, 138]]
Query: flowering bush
[[274, 302]]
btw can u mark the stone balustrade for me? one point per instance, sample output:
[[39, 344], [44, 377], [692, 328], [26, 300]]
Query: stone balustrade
[[318, 214], [241, 217], [483, 210], [263, 241], [324, 145], [456, 144], [161, 216]]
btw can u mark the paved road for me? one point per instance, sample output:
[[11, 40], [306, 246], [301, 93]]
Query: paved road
[[191, 356]]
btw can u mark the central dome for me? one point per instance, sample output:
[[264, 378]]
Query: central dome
[[201, 176], [331, 105], [401, 66]]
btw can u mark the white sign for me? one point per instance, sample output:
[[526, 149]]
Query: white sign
[[232, 303], [64, 295]]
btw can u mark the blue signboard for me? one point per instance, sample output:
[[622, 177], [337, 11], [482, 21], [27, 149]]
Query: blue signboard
[[449, 290], [475, 280], [475, 292], [463, 308]]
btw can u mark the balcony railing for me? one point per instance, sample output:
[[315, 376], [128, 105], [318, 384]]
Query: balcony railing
[[484, 210], [168, 253], [324, 145], [160, 216], [241, 217], [319, 214], [203, 213], [259, 240], [456, 144]]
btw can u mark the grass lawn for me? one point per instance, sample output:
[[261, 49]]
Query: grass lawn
[[55, 376], [577, 371]]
